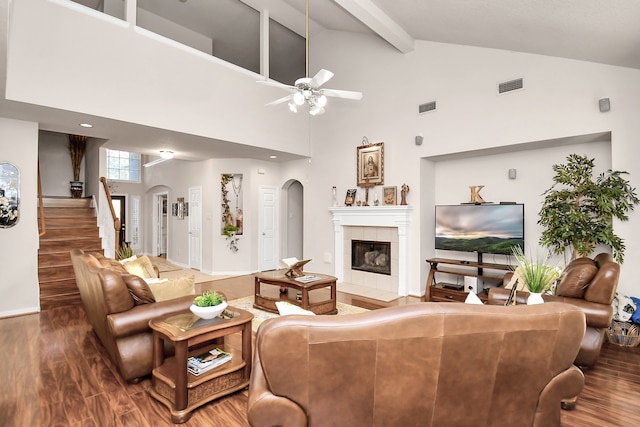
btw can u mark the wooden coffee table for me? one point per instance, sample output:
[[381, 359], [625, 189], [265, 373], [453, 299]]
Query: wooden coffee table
[[278, 278], [178, 389]]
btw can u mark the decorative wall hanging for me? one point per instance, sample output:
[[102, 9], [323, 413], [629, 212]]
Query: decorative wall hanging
[[232, 225], [370, 164], [389, 196], [180, 208], [9, 195], [350, 198]]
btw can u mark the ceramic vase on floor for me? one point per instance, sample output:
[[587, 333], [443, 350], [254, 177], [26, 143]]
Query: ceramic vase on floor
[[534, 298]]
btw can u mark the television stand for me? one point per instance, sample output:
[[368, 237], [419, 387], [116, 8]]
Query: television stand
[[444, 292]]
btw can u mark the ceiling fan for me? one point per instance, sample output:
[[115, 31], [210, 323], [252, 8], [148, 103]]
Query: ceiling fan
[[309, 89]]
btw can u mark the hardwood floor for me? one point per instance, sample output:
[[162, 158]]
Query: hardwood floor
[[56, 373]]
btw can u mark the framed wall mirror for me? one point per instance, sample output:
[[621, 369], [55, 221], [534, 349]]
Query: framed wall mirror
[[9, 195]]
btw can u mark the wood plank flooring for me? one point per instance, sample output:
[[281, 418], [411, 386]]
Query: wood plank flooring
[[55, 373]]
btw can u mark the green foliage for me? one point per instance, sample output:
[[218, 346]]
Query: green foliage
[[208, 299], [536, 275], [225, 179], [578, 212], [125, 251]]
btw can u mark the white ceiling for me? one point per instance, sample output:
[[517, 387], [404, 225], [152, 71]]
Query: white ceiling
[[602, 31]]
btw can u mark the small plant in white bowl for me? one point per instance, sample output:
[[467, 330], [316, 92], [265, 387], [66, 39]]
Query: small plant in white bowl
[[208, 305]]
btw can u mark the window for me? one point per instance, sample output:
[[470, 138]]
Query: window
[[123, 166]]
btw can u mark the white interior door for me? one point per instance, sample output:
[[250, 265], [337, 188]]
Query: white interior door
[[268, 229], [195, 228], [160, 224]]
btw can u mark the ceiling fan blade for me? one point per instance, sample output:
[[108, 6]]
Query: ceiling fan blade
[[346, 94], [320, 78], [274, 83], [279, 101]]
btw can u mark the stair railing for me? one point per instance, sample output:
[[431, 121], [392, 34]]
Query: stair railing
[[112, 221], [42, 224]]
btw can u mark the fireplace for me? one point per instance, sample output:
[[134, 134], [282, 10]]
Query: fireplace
[[370, 256], [377, 224]]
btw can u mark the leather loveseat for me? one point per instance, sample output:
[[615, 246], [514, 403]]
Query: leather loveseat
[[119, 317], [423, 364], [589, 284]]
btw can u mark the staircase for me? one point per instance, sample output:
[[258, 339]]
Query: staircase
[[70, 223]]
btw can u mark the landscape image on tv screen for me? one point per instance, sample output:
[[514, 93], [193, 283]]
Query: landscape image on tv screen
[[491, 229]]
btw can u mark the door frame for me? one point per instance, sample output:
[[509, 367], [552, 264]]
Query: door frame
[[191, 221], [157, 208]]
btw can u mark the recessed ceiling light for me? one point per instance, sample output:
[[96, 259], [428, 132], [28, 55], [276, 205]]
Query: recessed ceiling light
[[273, 156], [166, 154], [86, 125]]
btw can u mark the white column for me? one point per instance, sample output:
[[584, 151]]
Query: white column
[[338, 252]]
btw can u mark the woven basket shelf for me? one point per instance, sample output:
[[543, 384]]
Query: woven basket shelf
[[624, 334]]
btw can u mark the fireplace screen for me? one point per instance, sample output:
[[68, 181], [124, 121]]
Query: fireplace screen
[[374, 257]]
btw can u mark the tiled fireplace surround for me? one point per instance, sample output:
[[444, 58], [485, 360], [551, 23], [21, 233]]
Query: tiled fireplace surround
[[375, 223]]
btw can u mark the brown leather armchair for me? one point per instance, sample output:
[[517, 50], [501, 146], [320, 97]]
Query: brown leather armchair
[[427, 364], [589, 284], [120, 321]]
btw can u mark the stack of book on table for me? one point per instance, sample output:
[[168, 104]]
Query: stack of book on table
[[206, 361]]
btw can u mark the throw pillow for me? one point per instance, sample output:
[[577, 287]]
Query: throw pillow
[[112, 264], [516, 277], [173, 288], [575, 279], [141, 267], [126, 260], [138, 288], [472, 298], [285, 308]]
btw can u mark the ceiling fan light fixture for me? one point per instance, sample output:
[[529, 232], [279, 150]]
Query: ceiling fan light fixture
[[166, 154], [293, 107], [298, 99], [315, 110], [321, 101]]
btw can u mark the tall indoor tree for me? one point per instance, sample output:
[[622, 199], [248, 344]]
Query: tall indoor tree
[[578, 211]]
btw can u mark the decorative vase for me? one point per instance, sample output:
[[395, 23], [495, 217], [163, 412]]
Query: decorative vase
[[535, 298], [76, 189]]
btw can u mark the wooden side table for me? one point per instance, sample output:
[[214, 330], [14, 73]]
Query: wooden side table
[[178, 389], [278, 278]]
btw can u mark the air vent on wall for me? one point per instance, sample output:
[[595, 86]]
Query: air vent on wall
[[426, 107], [510, 86]]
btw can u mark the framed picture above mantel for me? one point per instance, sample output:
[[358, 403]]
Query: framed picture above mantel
[[370, 164]]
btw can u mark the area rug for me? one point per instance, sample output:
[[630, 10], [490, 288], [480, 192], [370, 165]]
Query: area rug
[[260, 316]]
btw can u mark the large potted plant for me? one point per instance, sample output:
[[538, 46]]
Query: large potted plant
[[578, 211], [77, 147]]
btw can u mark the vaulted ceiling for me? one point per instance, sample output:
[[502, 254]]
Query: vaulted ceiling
[[598, 31]]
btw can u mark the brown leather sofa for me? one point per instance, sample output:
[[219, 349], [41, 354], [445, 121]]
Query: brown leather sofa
[[120, 321], [426, 364], [589, 284]]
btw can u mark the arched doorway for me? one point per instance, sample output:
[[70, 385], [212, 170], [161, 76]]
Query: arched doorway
[[294, 222]]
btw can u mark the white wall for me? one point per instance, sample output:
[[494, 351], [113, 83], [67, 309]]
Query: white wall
[[19, 292], [560, 99], [132, 75], [55, 164]]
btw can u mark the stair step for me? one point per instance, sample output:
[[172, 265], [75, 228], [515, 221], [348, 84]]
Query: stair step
[[88, 212], [46, 275], [66, 245], [61, 233], [58, 287], [70, 222], [64, 300], [66, 202]]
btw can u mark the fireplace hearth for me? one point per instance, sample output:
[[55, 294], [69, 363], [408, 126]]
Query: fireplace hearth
[[373, 257]]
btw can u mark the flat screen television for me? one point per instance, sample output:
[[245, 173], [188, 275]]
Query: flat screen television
[[487, 228]]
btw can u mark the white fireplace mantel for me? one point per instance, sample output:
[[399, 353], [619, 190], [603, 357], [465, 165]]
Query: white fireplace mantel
[[374, 216]]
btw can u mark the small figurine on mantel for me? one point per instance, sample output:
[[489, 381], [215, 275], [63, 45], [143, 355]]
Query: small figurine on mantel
[[403, 194]]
